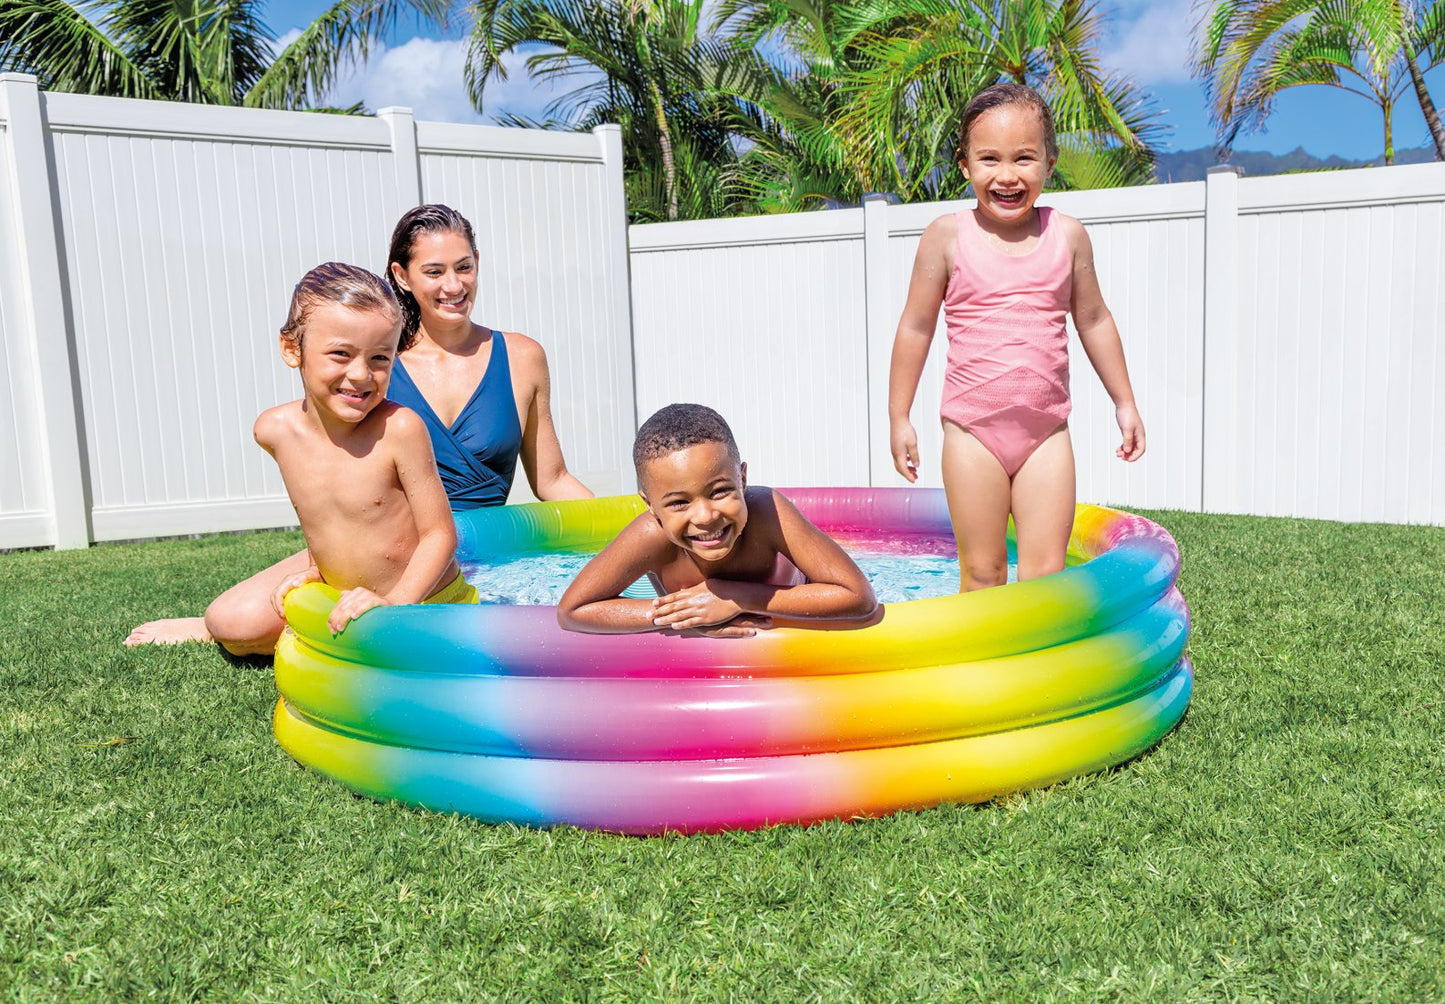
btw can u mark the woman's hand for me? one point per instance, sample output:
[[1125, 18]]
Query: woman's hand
[[696, 606], [1132, 428], [278, 598], [903, 441], [352, 604]]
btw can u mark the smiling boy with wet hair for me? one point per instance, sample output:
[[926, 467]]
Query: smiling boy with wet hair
[[726, 559]]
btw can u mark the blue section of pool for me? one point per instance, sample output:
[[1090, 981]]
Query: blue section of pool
[[540, 579]]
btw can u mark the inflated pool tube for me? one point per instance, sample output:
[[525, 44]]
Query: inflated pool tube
[[497, 713]]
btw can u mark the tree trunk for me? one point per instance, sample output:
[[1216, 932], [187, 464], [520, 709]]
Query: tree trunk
[[664, 137], [1388, 107], [1432, 117]]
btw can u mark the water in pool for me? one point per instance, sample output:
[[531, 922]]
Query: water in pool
[[925, 567]]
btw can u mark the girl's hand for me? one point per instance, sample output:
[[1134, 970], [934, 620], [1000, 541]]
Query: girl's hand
[[1132, 427], [903, 441], [694, 607], [352, 604], [278, 598]]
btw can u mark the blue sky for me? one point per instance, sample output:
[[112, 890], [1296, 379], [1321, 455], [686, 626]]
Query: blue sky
[[422, 70]]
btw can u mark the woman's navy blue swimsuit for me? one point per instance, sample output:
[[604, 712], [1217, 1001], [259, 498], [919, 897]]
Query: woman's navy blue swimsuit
[[476, 454]]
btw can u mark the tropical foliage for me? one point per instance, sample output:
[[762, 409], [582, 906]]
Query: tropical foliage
[[1249, 51], [898, 74], [207, 51], [649, 65], [777, 105]]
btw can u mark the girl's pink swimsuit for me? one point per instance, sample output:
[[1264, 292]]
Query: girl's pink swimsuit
[[1007, 381]]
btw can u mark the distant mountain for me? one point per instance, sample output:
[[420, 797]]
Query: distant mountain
[[1190, 165]]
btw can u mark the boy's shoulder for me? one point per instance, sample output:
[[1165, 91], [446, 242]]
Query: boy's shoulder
[[396, 419], [273, 423], [767, 507]]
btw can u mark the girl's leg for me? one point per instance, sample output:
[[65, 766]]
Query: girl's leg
[[240, 619], [1043, 506], [978, 499]]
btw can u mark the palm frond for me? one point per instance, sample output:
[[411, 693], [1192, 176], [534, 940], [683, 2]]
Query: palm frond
[[67, 51], [305, 70]]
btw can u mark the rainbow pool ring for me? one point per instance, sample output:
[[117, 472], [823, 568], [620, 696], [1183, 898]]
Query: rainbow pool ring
[[497, 713]]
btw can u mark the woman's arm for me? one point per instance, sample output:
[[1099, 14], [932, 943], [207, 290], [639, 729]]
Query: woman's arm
[[914, 337], [1100, 337], [541, 455]]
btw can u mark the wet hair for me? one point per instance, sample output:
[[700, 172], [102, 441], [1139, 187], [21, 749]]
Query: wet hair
[[348, 286], [430, 219], [677, 427], [1005, 96]]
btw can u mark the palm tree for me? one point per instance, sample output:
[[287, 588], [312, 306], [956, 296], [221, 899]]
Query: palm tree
[[648, 65], [878, 86], [1248, 51], [789, 60], [206, 51]]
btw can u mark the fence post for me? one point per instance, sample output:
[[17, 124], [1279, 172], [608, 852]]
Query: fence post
[[614, 211], [1218, 481], [404, 155], [880, 320], [42, 296]]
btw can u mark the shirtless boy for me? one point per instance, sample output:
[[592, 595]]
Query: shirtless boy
[[727, 559], [358, 468]]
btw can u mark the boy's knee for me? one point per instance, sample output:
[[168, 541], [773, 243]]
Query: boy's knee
[[239, 629]]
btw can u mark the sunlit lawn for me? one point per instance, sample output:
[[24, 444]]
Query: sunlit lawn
[[1284, 843]]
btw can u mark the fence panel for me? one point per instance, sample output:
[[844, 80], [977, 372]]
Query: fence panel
[[762, 319], [25, 517], [1340, 367], [184, 230], [1149, 255], [552, 266]]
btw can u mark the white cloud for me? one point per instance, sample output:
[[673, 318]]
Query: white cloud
[[422, 74], [426, 75], [1150, 40]]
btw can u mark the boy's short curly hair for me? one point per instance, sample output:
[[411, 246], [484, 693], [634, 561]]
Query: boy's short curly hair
[[677, 427]]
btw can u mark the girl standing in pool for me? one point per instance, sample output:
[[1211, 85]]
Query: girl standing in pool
[[1006, 273]]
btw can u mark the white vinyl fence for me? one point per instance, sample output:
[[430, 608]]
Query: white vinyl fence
[[147, 256], [1282, 334]]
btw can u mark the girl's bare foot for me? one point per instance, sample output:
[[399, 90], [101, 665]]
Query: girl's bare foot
[[171, 631]]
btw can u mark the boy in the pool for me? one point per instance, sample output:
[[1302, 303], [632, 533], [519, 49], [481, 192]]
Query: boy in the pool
[[358, 468], [727, 559]]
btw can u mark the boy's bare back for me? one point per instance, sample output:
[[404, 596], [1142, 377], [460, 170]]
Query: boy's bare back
[[349, 489]]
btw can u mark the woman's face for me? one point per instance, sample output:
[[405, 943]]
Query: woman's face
[[442, 275]]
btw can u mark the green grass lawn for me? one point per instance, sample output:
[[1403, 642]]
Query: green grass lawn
[[1283, 843]]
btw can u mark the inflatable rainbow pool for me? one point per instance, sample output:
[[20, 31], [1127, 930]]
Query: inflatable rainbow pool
[[497, 713]]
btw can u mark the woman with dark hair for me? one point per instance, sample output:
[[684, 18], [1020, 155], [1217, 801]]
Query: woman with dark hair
[[483, 394]]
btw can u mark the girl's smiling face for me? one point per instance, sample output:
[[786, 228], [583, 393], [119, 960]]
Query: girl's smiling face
[[442, 275], [1008, 163]]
